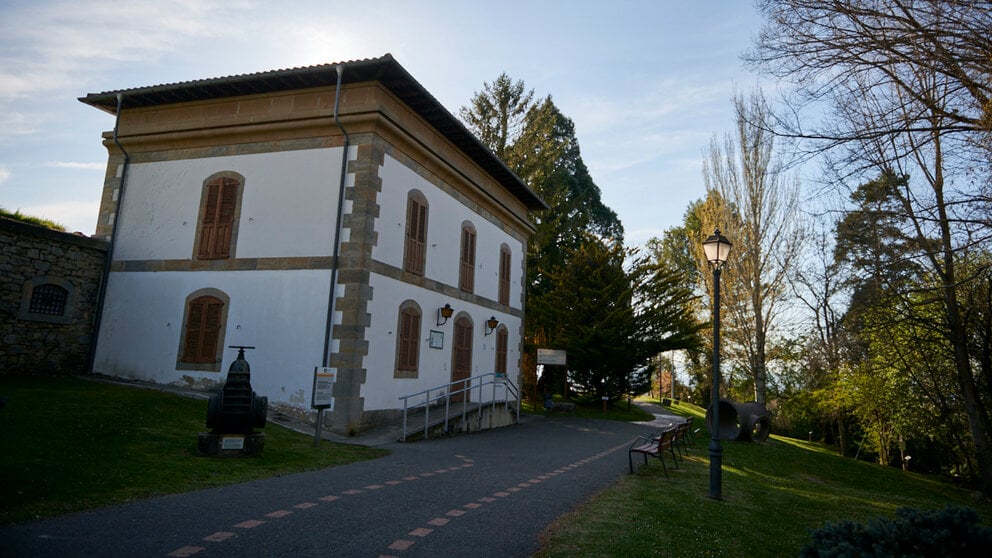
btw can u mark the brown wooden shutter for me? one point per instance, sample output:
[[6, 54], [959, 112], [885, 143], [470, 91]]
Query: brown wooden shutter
[[203, 325], [416, 237], [194, 319], [501, 345], [466, 277], [461, 359], [208, 226], [211, 330], [504, 276], [218, 218], [409, 340]]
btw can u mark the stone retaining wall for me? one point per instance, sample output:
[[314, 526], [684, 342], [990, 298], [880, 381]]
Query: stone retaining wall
[[49, 282]]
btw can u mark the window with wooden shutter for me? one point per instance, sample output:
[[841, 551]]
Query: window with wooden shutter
[[504, 274], [414, 253], [466, 274], [201, 340], [219, 214], [204, 321], [502, 340], [408, 342]]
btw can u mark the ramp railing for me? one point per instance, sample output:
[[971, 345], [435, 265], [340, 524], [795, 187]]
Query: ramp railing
[[458, 393]]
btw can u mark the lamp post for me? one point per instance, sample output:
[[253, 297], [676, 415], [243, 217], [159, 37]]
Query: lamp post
[[716, 248]]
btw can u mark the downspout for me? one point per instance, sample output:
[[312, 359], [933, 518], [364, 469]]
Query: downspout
[[102, 293], [337, 225]]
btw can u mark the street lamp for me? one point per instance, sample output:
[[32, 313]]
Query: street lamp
[[717, 248]]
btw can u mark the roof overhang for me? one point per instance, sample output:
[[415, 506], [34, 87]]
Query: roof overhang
[[385, 70]]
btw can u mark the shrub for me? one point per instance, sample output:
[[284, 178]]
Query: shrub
[[18, 216], [952, 531]]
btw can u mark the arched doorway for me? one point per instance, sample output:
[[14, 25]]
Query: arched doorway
[[461, 358]]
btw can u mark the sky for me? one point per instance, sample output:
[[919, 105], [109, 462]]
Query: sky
[[648, 83]]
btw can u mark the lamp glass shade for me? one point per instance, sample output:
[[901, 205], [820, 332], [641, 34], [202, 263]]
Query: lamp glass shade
[[717, 248]]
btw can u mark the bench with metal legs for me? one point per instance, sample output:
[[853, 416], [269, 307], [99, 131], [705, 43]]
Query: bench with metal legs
[[655, 446]]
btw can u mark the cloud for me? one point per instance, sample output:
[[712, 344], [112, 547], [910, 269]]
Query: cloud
[[48, 46], [73, 215], [4, 174], [15, 123], [76, 165]]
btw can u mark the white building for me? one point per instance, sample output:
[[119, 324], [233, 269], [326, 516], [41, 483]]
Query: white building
[[222, 198]]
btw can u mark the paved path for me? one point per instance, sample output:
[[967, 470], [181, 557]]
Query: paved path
[[485, 494]]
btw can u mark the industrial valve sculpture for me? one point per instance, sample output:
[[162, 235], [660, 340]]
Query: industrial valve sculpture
[[233, 414]]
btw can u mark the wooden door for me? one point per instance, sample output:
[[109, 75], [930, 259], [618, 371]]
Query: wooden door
[[461, 358]]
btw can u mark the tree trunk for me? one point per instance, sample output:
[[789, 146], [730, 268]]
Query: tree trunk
[[759, 371], [978, 419]]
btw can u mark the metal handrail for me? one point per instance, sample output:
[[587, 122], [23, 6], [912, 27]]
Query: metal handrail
[[443, 393]]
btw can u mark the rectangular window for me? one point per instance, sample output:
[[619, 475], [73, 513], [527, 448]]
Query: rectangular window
[[48, 299]]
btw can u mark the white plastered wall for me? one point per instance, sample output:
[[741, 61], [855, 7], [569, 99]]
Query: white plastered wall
[[270, 310], [288, 210], [445, 218]]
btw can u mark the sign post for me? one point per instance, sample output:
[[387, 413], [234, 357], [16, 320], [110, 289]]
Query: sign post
[[553, 357], [323, 396]]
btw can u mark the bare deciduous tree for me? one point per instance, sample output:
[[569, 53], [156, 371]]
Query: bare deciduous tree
[[907, 85], [760, 216]]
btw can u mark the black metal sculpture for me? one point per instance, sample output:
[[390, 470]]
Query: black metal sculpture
[[233, 414], [741, 421]]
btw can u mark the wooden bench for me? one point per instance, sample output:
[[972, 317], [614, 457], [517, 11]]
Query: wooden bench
[[682, 431], [558, 406], [654, 446], [563, 407]]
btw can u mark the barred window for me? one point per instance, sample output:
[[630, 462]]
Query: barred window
[[49, 300]]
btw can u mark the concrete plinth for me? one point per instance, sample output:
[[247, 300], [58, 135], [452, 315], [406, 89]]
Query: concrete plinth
[[230, 445]]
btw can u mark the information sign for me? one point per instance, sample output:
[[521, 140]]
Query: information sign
[[323, 388], [551, 357]]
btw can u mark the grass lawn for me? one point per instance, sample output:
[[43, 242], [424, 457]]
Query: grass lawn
[[68, 444], [773, 493]]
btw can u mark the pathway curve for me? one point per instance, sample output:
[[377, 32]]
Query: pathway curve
[[485, 494]]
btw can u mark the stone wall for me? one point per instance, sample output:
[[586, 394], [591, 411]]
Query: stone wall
[[49, 282]]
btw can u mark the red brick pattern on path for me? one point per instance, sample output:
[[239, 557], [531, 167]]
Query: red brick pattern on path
[[397, 547]]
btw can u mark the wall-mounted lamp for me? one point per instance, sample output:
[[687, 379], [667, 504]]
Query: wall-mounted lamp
[[444, 313], [491, 324]]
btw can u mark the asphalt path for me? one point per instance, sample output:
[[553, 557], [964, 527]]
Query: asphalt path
[[483, 494]]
